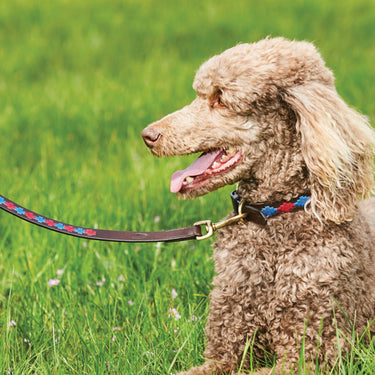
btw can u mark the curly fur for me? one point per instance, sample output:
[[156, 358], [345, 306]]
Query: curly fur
[[292, 280]]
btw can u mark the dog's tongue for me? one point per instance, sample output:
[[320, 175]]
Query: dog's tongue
[[195, 169]]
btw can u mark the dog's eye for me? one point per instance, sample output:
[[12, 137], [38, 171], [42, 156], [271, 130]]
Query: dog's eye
[[217, 103]]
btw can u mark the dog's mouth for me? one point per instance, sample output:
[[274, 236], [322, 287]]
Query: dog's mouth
[[203, 169]]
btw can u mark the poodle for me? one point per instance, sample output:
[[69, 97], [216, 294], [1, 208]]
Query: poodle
[[301, 279]]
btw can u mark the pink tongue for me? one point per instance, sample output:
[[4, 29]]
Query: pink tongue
[[195, 169]]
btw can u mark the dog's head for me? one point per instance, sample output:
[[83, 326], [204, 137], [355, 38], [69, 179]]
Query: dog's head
[[264, 109]]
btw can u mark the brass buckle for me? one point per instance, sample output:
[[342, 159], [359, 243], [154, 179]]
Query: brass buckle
[[211, 227]]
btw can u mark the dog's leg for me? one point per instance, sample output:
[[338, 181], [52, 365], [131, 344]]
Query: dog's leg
[[226, 332], [288, 350]]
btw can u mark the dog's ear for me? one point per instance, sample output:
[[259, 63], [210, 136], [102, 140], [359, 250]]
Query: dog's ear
[[337, 144]]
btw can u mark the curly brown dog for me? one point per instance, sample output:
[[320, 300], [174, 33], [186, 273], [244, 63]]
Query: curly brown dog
[[267, 115]]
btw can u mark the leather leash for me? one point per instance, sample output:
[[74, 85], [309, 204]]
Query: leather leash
[[180, 234], [257, 213]]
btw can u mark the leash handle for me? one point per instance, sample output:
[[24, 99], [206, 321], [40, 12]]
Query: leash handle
[[172, 235]]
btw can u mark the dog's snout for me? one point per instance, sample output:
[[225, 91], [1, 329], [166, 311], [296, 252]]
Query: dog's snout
[[150, 136]]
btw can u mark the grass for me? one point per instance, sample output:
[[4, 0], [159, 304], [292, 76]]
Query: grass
[[78, 81]]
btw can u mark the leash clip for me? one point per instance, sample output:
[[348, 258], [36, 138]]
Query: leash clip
[[211, 227]]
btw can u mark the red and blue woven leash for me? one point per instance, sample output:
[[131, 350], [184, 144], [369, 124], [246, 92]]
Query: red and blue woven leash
[[172, 235], [257, 213]]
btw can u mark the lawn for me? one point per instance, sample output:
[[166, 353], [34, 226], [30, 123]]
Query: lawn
[[79, 80]]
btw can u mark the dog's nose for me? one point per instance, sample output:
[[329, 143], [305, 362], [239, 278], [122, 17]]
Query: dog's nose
[[150, 136]]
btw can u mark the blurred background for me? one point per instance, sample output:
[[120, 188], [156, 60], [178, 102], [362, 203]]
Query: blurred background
[[79, 80]]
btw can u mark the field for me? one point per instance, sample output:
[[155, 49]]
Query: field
[[79, 80]]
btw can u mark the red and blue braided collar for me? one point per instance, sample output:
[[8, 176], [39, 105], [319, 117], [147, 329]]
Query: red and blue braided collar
[[260, 212]]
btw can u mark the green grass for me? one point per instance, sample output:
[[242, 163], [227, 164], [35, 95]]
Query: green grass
[[78, 82]]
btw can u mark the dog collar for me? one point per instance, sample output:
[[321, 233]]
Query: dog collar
[[259, 213]]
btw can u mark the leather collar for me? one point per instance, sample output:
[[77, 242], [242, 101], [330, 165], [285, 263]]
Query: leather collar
[[259, 213]]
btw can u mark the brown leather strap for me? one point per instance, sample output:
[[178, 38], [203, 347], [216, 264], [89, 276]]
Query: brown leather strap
[[180, 234], [172, 235]]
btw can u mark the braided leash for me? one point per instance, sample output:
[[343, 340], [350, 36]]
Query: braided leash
[[257, 213], [172, 235]]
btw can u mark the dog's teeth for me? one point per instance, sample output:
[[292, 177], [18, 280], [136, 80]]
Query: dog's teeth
[[230, 151], [224, 158], [215, 165], [188, 180]]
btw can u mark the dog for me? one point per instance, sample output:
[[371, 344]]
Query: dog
[[267, 116]]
